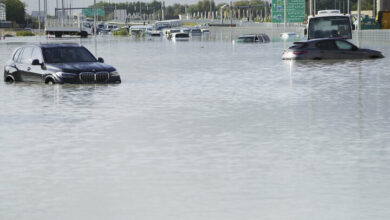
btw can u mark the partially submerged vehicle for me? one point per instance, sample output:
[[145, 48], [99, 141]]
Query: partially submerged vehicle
[[320, 49], [180, 37], [289, 35], [140, 29], [253, 38], [196, 31], [58, 63]]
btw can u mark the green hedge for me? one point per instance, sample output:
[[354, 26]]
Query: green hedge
[[122, 32], [24, 33]]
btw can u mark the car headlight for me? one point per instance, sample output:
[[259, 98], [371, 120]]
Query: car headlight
[[66, 75], [115, 73]]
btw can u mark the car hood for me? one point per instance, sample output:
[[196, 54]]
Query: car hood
[[80, 67]]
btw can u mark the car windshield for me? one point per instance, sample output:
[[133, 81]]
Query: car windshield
[[67, 55], [332, 26]]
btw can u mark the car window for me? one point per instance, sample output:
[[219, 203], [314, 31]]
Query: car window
[[260, 39], [26, 55], [67, 55], [266, 38], [245, 39], [342, 45], [16, 55], [37, 54], [326, 45]]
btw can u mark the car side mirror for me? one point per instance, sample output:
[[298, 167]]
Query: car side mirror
[[355, 48], [35, 62], [353, 27], [100, 60], [305, 31]]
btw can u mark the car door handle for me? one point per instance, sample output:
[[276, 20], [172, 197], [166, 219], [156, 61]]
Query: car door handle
[[28, 68]]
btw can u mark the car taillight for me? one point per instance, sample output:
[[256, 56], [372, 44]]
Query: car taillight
[[299, 52]]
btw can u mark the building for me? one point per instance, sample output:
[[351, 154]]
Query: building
[[3, 15], [383, 5]]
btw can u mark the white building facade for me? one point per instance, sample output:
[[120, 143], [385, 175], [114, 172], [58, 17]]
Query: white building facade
[[3, 15]]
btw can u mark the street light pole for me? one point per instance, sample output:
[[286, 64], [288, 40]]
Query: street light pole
[[94, 18], [39, 16]]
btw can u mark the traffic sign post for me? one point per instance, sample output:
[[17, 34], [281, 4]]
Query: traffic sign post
[[295, 11]]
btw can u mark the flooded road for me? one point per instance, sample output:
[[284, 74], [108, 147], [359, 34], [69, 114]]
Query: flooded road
[[204, 129]]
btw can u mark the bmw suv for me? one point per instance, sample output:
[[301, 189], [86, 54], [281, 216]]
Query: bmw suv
[[58, 63]]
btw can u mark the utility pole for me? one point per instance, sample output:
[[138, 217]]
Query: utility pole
[[39, 16], [63, 12], [163, 11], [210, 10], [348, 12], [94, 18], [311, 7], [45, 8], [285, 15], [359, 13], [231, 14]]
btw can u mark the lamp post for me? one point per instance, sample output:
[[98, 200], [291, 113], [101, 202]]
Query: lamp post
[[39, 16], [222, 13], [94, 18]]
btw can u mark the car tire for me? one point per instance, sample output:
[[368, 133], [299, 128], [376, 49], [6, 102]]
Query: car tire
[[9, 79], [83, 34], [50, 81]]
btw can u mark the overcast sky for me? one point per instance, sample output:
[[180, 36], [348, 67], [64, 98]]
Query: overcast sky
[[32, 5]]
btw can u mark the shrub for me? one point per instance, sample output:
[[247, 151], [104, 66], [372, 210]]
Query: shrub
[[122, 32], [24, 33]]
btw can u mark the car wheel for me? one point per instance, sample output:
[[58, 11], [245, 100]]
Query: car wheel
[[50, 81], [9, 79]]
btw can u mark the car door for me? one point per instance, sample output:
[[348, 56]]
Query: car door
[[24, 64], [11, 68], [349, 51], [326, 49], [36, 71]]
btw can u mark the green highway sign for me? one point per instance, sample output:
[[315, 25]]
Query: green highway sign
[[90, 12], [295, 11]]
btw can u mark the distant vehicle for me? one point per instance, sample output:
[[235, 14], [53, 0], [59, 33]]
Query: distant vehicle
[[140, 29], [58, 63], [169, 32], [196, 31], [160, 25], [205, 31], [329, 24], [288, 35], [71, 26], [254, 38], [180, 37], [153, 33], [185, 30], [320, 49]]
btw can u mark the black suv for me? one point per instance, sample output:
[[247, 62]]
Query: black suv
[[58, 63]]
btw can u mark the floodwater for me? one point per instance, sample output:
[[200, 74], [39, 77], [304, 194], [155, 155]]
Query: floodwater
[[199, 130]]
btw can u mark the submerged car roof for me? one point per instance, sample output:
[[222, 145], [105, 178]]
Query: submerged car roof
[[59, 45]]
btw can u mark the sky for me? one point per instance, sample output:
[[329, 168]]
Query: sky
[[32, 5]]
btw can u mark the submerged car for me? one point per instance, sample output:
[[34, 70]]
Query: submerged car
[[254, 38], [58, 63], [319, 49]]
